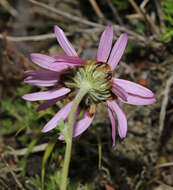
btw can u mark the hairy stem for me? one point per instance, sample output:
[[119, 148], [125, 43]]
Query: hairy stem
[[82, 92]]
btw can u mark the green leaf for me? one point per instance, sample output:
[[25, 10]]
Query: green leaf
[[20, 129], [167, 7], [34, 181], [100, 155], [29, 149], [47, 154], [7, 127], [121, 4]]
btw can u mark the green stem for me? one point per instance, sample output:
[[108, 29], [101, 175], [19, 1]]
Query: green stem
[[82, 92]]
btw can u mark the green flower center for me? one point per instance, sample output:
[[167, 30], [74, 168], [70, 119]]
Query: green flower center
[[97, 75]]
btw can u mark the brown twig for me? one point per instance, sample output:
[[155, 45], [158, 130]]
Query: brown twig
[[163, 186], [45, 12], [168, 164], [29, 38], [133, 16], [159, 14], [46, 36], [96, 8], [165, 103], [135, 6], [143, 4], [66, 15], [13, 174], [139, 39], [132, 35], [145, 16], [150, 21], [115, 12], [4, 184], [8, 7], [21, 152]]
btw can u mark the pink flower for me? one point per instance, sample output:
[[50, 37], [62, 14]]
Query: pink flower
[[66, 73]]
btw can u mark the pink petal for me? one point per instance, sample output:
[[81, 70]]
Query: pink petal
[[59, 66], [133, 88], [48, 103], [42, 78], [69, 59], [138, 100], [62, 114], [42, 74], [64, 43], [105, 44], [82, 124], [117, 51], [120, 92], [46, 95], [39, 82], [122, 121], [113, 126], [42, 60], [75, 120]]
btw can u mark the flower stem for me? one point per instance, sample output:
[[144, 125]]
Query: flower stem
[[82, 92]]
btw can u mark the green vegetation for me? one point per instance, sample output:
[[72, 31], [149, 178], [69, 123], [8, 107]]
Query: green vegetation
[[168, 17]]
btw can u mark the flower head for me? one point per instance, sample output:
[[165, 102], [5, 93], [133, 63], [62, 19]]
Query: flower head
[[68, 73]]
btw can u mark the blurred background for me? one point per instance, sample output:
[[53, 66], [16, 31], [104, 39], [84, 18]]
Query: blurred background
[[143, 160]]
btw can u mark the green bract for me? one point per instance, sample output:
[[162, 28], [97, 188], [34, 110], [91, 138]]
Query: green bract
[[96, 75]]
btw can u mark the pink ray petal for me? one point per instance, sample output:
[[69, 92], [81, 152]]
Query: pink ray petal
[[46, 95], [48, 103], [42, 77], [133, 88], [117, 51], [57, 66], [64, 43], [45, 79], [138, 100], [40, 82], [105, 44], [62, 114], [83, 124], [120, 92], [69, 59], [42, 60], [42, 74], [30, 72], [122, 121], [75, 121], [113, 126]]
